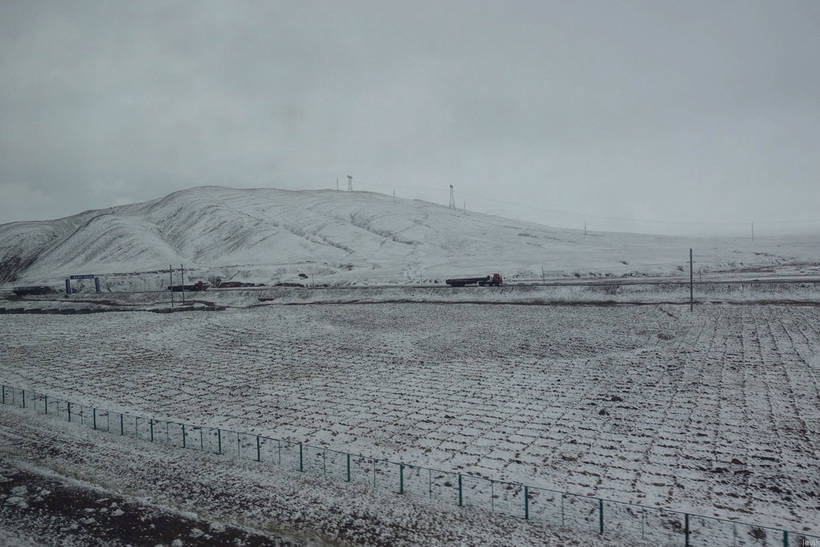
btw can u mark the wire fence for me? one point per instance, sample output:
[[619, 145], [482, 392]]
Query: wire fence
[[591, 514]]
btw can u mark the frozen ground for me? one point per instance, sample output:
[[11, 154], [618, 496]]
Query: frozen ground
[[40, 507], [127, 492], [715, 412], [601, 292]]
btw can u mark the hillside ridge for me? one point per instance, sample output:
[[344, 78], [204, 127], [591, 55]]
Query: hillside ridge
[[273, 235]]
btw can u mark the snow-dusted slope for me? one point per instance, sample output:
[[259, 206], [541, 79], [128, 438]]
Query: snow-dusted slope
[[273, 235]]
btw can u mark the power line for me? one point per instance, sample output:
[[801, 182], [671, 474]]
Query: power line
[[648, 220], [593, 217]]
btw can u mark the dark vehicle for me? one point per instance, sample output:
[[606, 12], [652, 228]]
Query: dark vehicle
[[486, 281], [198, 286], [236, 284], [39, 289]]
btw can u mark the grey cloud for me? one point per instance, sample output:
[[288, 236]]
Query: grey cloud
[[690, 111]]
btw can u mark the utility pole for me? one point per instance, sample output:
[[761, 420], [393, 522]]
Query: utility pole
[[182, 274], [171, 286], [350, 183], [452, 198], [691, 283]]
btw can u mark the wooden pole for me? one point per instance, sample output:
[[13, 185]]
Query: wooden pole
[[691, 281]]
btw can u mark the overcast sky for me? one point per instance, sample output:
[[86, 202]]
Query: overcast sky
[[696, 114]]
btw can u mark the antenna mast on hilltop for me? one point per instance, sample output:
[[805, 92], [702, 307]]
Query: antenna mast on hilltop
[[452, 198], [350, 183]]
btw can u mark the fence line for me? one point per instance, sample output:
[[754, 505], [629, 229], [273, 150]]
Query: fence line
[[554, 507]]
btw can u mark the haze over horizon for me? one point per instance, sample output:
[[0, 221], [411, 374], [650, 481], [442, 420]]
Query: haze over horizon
[[649, 117]]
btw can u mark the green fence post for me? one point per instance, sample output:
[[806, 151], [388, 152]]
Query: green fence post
[[69, 411], [601, 515], [151, 423], [301, 467], [24, 398], [258, 450], [526, 502], [785, 538], [45, 402], [460, 499], [348, 467], [94, 416], [686, 528], [201, 440], [219, 439], [279, 452], [563, 496], [183, 436], [401, 478], [4, 394], [122, 425], [643, 522]]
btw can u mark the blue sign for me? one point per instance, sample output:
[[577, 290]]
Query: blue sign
[[85, 276]]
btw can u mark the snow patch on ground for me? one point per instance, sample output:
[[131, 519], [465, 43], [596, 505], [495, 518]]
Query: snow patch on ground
[[245, 503], [708, 412]]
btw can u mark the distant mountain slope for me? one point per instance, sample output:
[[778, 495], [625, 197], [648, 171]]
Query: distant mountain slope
[[340, 237]]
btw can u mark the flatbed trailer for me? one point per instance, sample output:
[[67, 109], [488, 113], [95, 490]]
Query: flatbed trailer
[[198, 286], [486, 281]]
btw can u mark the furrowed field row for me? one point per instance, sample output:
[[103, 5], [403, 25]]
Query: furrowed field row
[[716, 410]]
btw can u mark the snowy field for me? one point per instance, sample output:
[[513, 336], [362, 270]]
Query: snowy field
[[713, 412]]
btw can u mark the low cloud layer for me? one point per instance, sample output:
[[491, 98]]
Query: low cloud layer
[[695, 115]]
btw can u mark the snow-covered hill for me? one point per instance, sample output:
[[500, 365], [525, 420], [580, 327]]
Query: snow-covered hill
[[268, 235]]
